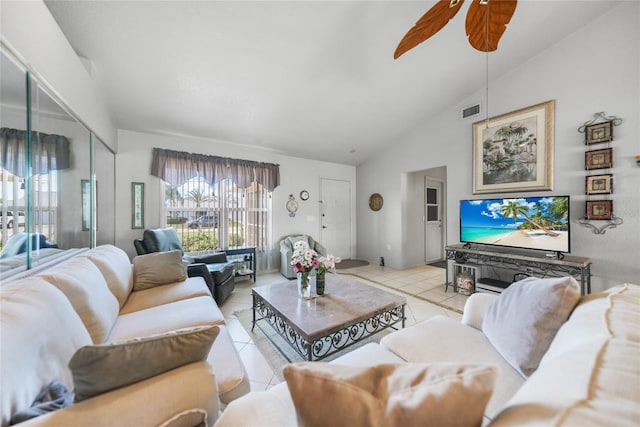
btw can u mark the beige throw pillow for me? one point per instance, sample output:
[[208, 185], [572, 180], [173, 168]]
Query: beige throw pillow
[[390, 395], [159, 268], [97, 369], [524, 319]]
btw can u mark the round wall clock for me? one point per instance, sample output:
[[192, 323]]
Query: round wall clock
[[304, 195], [375, 202], [292, 205]]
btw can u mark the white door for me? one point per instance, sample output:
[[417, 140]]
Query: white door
[[433, 235], [335, 221]]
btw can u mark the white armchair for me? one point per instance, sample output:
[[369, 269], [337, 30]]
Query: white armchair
[[286, 250]]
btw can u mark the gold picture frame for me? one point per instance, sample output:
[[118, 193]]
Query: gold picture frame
[[514, 151], [599, 184]]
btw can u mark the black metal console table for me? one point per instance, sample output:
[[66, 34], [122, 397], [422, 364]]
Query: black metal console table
[[579, 268], [248, 258]]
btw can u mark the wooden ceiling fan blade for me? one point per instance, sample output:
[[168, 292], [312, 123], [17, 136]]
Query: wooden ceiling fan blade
[[500, 13], [430, 23]]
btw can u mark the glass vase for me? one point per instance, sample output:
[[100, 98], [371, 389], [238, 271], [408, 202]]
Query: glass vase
[[304, 287], [320, 283]]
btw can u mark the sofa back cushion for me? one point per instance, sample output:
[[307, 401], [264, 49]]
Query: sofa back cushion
[[161, 239], [40, 334], [116, 268], [524, 319], [590, 375], [83, 284]]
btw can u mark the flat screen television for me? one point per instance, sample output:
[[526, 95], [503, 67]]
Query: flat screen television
[[540, 223]]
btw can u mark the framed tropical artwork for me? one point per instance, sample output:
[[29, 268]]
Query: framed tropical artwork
[[599, 209], [137, 205], [514, 151], [598, 159], [599, 184]]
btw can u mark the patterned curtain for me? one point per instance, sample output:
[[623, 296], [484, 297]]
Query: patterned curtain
[[50, 152], [178, 167]]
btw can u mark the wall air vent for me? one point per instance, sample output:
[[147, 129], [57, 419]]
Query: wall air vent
[[470, 111]]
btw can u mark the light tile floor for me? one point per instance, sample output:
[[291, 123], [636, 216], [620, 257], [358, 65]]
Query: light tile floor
[[404, 282]]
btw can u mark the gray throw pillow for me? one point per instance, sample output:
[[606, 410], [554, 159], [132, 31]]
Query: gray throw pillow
[[524, 319], [97, 369], [158, 268]]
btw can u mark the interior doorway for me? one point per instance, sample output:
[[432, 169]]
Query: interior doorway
[[434, 219]]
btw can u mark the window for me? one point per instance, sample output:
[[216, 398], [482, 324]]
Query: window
[[12, 196], [221, 216], [217, 202]]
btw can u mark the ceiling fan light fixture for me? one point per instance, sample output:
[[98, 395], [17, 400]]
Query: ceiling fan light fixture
[[494, 18]]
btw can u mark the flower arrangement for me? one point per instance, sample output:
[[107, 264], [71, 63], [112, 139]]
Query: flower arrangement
[[327, 263], [303, 259]]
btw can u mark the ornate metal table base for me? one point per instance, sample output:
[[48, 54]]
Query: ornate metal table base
[[333, 342]]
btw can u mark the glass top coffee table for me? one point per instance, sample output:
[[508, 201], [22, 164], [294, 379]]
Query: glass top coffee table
[[315, 328]]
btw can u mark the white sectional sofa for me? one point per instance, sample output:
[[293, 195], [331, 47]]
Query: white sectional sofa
[[89, 302], [589, 375]]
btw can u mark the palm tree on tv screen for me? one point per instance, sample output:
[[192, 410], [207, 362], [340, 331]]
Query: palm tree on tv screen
[[515, 210]]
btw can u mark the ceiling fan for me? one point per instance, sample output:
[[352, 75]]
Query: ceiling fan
[[486, 22]]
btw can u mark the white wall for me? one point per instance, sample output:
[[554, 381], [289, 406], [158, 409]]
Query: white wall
[[595, 69], [133, 164], [28, 28]]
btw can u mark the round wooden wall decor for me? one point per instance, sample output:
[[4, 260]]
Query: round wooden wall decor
[[375, 202]]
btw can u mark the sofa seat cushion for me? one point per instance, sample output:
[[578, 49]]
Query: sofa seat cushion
[[272, 408], [250, 409], [198, 311], [220, 271], [115, 266], [595, 355], [83, 283], [368, 355], [231, 376], [442, 339], [40, 333], [152, 297]]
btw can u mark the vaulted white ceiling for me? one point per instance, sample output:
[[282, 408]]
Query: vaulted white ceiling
[[313, 79]]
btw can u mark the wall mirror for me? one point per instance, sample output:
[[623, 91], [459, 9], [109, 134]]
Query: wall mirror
[[53, 181], [13, 115]]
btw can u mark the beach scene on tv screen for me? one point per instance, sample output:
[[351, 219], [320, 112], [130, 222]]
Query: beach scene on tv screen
[[535, 222]]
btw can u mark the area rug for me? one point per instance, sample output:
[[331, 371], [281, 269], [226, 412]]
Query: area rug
[[440, 264], [277, 358], [351, 263]]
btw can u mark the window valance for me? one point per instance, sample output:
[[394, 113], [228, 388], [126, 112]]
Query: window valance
[[178, 167], [50, 152]]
